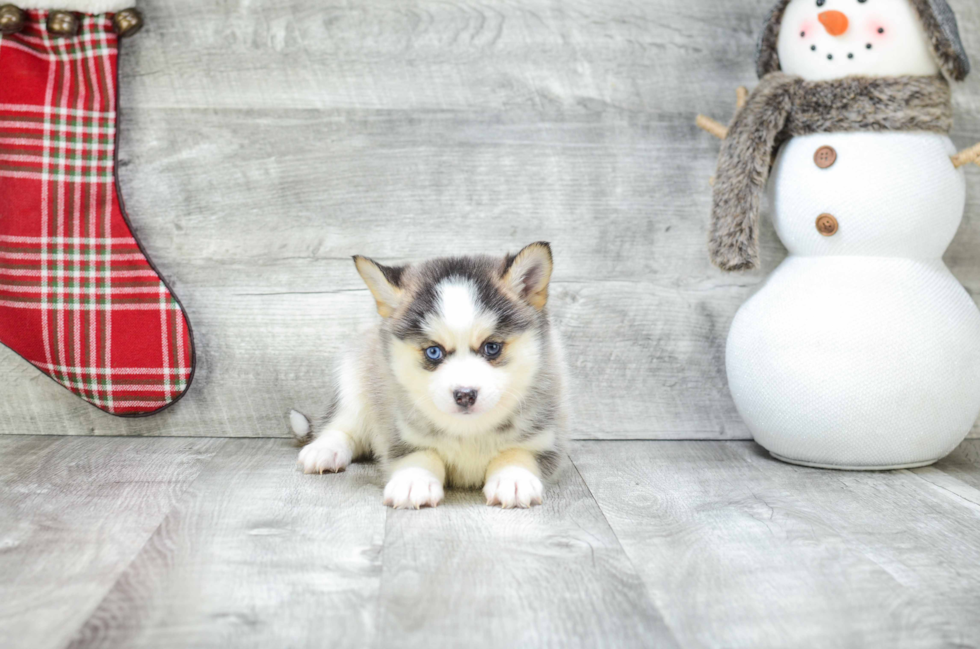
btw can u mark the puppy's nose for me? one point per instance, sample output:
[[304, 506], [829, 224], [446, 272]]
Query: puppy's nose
[[835, 22], [465, 397]]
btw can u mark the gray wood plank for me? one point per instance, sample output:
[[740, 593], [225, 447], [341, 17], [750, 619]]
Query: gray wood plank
[[73, 513], [959, 472], [739, 550], [465, 574], [255, 555], [263, 143]]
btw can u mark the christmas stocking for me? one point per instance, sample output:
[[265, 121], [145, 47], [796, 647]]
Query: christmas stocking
[[78, 297]]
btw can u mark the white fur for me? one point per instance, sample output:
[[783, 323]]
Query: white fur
[[331, 451], [513, 486], [82, 6], [299, 424], [903, 48], [466, 370], [413, 488], [458, 305]]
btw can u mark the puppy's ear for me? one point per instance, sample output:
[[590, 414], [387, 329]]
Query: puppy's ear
[[528, 272], [384, 282]]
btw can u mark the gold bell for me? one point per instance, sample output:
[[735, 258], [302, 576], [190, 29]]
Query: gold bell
[[11, 19], [62, 23], [127, 22]]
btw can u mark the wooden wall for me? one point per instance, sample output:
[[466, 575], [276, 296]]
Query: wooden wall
[[263, 143]]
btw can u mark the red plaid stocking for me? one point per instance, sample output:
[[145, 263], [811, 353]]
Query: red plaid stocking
[[78, 297]]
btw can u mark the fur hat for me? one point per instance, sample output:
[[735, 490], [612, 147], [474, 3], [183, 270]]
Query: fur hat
[[936, 16]]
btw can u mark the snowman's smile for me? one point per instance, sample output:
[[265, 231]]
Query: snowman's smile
[[839, 54], [835, 37], [827, 39]]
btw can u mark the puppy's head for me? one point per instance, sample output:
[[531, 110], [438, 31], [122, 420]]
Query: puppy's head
[[466, 333]]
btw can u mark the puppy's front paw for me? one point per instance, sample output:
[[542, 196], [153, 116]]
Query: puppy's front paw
[[513, 486], [331, 451], [413, 488]]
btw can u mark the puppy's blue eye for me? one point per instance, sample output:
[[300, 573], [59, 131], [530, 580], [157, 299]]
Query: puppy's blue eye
[[491, 349], [434, 353]]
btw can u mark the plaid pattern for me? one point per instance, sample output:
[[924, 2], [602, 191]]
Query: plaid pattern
[[78, 298]]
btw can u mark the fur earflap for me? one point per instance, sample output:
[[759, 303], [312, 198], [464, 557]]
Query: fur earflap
[[936, 16], [766, 54]]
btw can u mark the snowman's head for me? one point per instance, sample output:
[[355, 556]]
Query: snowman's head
[[828, 39], [831, 39]]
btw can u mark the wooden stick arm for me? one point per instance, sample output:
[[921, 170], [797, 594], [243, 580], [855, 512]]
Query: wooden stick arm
[[741, 97], [717, 128], [966, 156], [711, 126]]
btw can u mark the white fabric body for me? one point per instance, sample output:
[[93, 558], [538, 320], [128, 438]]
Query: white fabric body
[[893, 194], [82, 6], [861, 349], [808, 50]]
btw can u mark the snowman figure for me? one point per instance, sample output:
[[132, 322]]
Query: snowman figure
[[861, 350]]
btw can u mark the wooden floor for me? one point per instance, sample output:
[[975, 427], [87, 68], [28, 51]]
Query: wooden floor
[[167, 542]]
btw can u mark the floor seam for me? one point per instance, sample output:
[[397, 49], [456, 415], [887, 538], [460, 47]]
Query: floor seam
[[149, 537], [629, 559]]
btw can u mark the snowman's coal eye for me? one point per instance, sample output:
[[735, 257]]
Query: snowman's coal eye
[[861, 2], [821, 3]]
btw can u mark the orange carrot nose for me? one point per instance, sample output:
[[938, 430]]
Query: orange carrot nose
[[834, 22]]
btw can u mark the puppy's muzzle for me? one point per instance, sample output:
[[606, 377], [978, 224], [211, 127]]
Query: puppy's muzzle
[[465, 397]]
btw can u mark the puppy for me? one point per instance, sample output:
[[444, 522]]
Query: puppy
[[461, 383]]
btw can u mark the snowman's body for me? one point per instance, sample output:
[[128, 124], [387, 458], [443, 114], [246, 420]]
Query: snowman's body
[[861, 350]]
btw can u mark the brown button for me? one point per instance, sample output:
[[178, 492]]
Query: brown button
[[825, 157], [127, 22], [11, 19], [62, 23], [826, 225]]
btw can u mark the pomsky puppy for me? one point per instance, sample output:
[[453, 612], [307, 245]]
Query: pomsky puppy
[[461, 383]]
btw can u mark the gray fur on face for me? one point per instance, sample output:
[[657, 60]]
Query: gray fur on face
[[484, 272], [784, 106], [936, 16]]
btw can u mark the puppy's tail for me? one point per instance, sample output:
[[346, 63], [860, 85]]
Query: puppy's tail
[[300, 426]]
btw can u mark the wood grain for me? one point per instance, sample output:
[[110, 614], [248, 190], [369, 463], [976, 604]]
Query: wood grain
[[73, 514], [465, 574], [263, 143], [255, 555], [121, 542], [739, 550]]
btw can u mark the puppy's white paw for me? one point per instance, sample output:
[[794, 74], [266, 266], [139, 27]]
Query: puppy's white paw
[[331, 451], [413, 488], [513, 486]]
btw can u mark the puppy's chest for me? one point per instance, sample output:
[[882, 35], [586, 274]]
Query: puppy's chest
[[466, 458]]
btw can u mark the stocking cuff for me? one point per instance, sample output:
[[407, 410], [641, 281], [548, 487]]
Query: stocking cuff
[[81, 6]]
